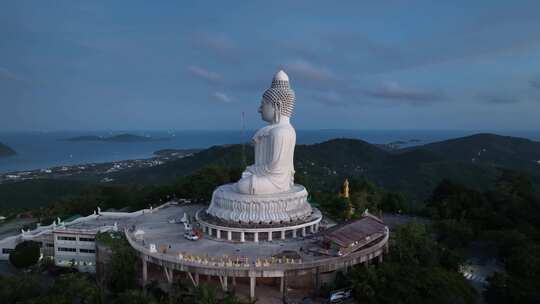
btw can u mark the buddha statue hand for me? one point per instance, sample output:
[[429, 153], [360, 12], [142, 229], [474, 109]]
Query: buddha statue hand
[[247, 173]]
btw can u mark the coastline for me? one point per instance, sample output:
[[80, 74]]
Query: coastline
[[38, 150], [99, 170]]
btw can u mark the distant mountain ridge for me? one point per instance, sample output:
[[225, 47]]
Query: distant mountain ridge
[[116, 138], [473, 160], [6, 151], [490, 149]]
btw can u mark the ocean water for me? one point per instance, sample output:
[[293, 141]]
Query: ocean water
[[38, 150]]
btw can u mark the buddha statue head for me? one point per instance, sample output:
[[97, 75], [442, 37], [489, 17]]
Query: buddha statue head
[[278, 100]]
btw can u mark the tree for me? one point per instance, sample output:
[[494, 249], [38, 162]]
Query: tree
[[521, 282], [415, 271], [452, 200], [122, 267], [412, 244], [497, 291], [454, 234], [229, 298], [134, 296], [506, 216], [25, 254], [393, 202], [16, 290], [75, 288], [180, 292], [337, 207], [65, 289], [365, 195], [205, 294], [200, 185]]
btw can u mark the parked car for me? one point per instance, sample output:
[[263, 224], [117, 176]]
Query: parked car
[[340, 295], [191, 236]]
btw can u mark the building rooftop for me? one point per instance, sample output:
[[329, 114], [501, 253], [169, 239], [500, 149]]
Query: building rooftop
[[98, 222], [359, 230]]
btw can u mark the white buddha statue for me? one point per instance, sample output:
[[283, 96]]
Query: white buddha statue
[[273, 171], [266, 193]]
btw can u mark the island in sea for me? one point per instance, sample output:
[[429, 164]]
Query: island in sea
[[124, 138], [6, 151]]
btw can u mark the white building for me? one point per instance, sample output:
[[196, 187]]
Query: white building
[[75, 247], [72, 244]]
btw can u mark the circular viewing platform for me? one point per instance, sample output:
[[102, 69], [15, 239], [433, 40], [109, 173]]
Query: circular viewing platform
[[159, 241], [239, 232], [219, 257]]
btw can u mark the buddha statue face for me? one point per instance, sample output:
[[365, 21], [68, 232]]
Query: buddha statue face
[[268, 111]]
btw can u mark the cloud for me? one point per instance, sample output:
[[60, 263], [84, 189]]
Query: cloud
[[222, 97], [354, 50], [305, 70], [207, 75], [217, 43], [329, 98], [395, 91], [362, 45], [535, 82], [467, 41], [9, 75], [498, 99]]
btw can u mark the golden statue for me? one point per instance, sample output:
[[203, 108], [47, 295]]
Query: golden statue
[[345, 193]]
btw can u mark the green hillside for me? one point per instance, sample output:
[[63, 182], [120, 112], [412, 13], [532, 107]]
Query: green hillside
[[6, 151], [223, 156], [414, 171], [489, 149], [36, 193]]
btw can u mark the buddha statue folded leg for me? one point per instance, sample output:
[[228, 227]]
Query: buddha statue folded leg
[[244, 184], [254, 184]]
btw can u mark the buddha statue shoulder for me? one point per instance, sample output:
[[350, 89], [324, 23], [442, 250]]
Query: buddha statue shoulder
[[273, 170]]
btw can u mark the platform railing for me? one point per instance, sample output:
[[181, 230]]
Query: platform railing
[[370, 252]]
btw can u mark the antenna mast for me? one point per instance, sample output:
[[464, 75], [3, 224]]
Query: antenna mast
[[243, 122]]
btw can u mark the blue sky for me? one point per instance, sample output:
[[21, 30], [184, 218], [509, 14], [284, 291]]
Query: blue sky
[[111, 65]]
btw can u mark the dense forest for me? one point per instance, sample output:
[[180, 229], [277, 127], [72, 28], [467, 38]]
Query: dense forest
[[423, 261]]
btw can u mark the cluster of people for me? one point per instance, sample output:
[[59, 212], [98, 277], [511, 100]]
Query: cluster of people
[[236, 261], [215, 261], [264, 262]]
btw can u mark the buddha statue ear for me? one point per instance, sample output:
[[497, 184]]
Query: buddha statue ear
[[277, 112]]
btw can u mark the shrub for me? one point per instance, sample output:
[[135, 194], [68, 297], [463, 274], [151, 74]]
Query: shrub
[[25, 254]]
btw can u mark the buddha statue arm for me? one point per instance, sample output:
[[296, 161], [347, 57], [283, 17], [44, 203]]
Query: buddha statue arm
[[273, 174], [282, 140]]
